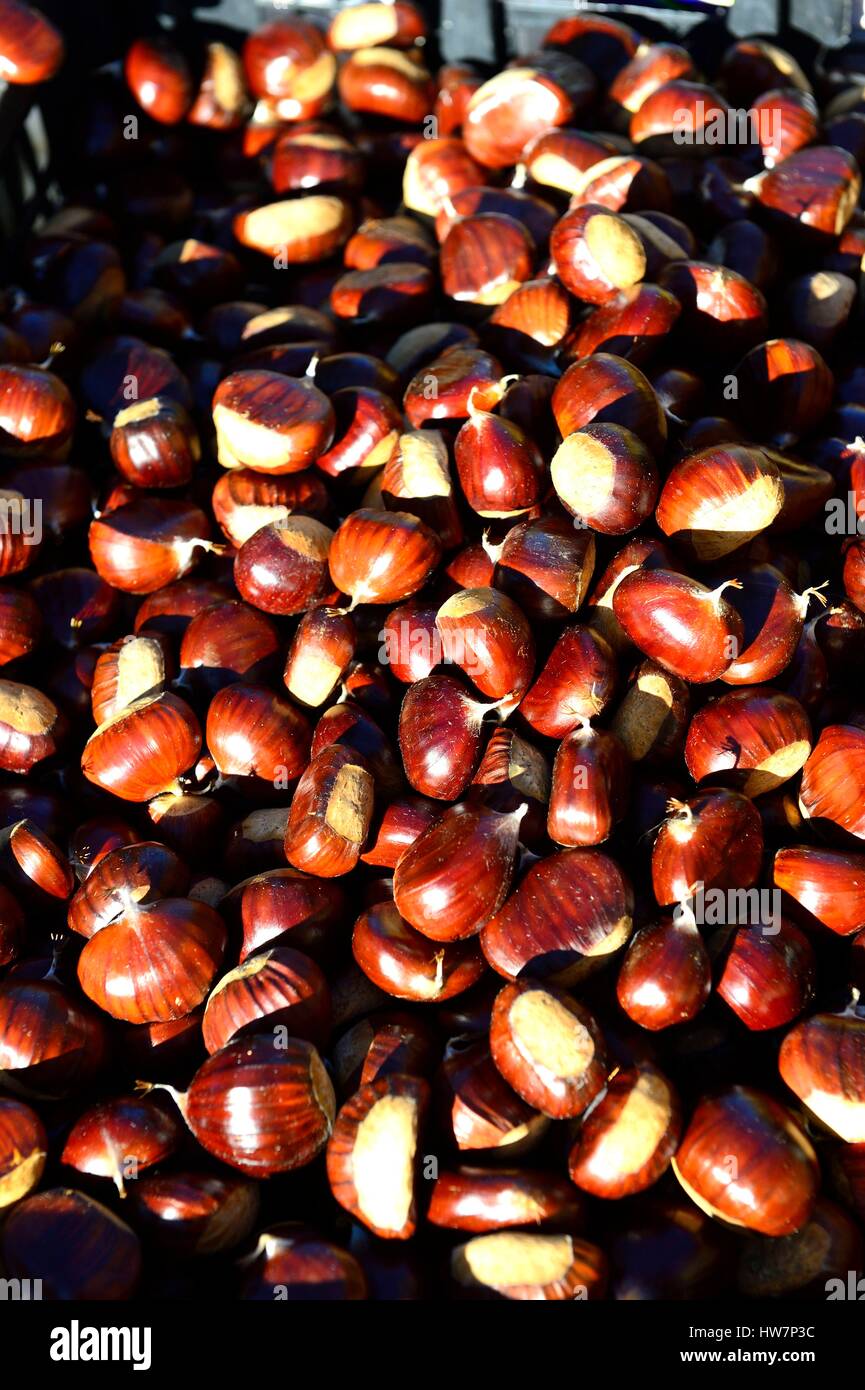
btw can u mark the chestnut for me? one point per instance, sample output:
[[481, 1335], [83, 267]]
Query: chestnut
[[479, 1109], [50, 1045], [291, 1262], [831, 779], [597, 255], [455, 876], [120, 1139], [221, 99], [407, 964], [590, 786], [31, 49], [753, 739], [487, 636], [283, 566], [768, 980], [606, 477], [548, 1047], [505, 113], [372, 1154], [226, 642], [519, 1266], [501, 470], [714, 839], [604, 389], [76, 1247], [276, 988], [134, 668], [652, 719], [288, 62], [159, 79], [260, 1106], [665, 977], [32, 728], [484, 258], [569, 911], [821, 1060], [23, 1151], [434, 171], [626, 1141], [692, 631], [145, 544], [495, 1199], [744, 1160], [192, 1213], [382, 81], [144, 748], [270, 423], [330, 813], [296, 231], [829, 884], [382, 557]]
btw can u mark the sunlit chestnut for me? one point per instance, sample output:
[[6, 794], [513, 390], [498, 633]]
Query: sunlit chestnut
[[388, 82], [752, 739], [31, 49], [441, 389], [517, 1265], [382, 557], [51, 1044], [744, 1160], [297, 230], [606, 477], [154, 963], [822, 1060], [652, 719], [548, 1047], [283, 567], [146, 544], [569, 912], [487, 636], [576, 683], [506, 112], [680, 118], [372, 1154], [590, 785], [260, 1107], [478, 1109], [714, 840], [604, 389], [768, 974], [689, 629], [289, 63], [23, 1151], [831, 788], [32, 728], [224, 643], [144, 748], [625, 1143], [118, 1139], [784, 389], [330, 813], [456, 874]]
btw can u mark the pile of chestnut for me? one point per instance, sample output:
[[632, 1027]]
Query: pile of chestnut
[[431, 581]]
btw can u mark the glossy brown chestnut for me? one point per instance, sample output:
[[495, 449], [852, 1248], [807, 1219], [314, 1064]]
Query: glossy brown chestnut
[[440, 736], [155, 963], [382, 557], [501, 470], [288, 62], [118, 1139], [569, 912], [635, 324], [23, 1151], [252, 732], [813, 192], [785, 389], [605, 476], [822, 1060], [715, 839], [753, 739], [143, 749], [479, 1110], [133, 668], [31, 49], [576, 683], [50, 1044], [689, 629], [829, 884], [744, 1160], [407, 964], [625, 1143], [373, 1151], [294, 1263], [666, 977], [262, 1107], [270, 423], [831, 788], [283, 567], [548, 1047], [495, 1199], [159, 79], [604, 389], [75, 1246], [277, 989], [487, 636], [456, 874], [506, 112], [330, 815], [386, 82], [224, 643], [596, 254], [192, 1213], [520, 1266], [768, 975], [32, 728], [590, 786], [297, 231], [154, 444], [145, 544]]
